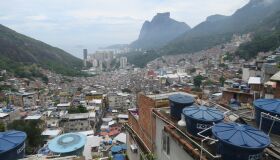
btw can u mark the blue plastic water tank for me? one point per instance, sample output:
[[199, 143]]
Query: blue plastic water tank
[[12, 145], [239, 141], [200, 118], [119, 157], [116, 149], [177, 103], [68, 144], [271, 106]]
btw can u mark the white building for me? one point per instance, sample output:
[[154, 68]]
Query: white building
[[123, 62]]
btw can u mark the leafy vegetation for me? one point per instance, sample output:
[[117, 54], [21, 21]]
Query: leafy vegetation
[[115, 63], [222, 65], [197, 80], [229, 57], [140, 59], [255, 17], [262, 42], [148, 156], [126, 90], [266, 38], [222, 80], [192, 70], [18, 51], [220, 29], [196, 89], [194, 44], [78, 109], [33, 129], [2, 127]]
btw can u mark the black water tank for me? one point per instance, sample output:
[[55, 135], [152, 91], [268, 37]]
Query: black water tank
[[239, 141], [199, 118], [12, 145], [177, 103]]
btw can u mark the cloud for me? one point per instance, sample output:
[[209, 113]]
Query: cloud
[[95, 23], [5, 17], [36, 18]]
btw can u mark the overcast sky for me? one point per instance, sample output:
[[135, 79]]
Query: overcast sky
[[76, 24]]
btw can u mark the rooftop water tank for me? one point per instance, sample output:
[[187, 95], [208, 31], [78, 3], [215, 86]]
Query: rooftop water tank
[[200, 118], [177, 103], [239, 141], [68, 144], [118, 157], [118, 148], [12, 145], [272, 107]]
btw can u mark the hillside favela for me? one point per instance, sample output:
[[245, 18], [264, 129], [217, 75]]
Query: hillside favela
[[140, 80]]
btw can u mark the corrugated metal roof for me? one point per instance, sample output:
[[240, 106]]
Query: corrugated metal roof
[[121, 138], [33, 117], [2, 115], [78, 116], [254, 80], [166, 95], [276, 77], [51, 132]]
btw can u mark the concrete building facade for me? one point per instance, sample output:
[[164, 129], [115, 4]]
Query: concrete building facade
[[76, 122], [119, 101]]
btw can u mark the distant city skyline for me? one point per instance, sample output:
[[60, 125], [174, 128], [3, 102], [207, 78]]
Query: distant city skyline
[[73, 25]]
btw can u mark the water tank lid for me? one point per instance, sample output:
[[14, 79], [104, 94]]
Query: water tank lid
[[203, 113], [116, 149], [68, 142], [119, 157], [11, 139], [241, 135], [269, 105], [180, 98]]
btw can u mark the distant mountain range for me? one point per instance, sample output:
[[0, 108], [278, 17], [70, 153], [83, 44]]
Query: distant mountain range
[[218, 29], [259, 17], [161, 30], [266, 38], [18, 50]]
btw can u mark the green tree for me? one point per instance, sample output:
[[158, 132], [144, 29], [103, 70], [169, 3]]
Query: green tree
[[192, 70], [222, 80], [78, 109], [197, 81], [33, 129], [2, 127], [229, 57], [148, 156], [223, 66], [126, 90], [45, 79], [79, 89], [208, 82]]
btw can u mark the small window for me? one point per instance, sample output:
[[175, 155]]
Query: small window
[[165, 143]]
